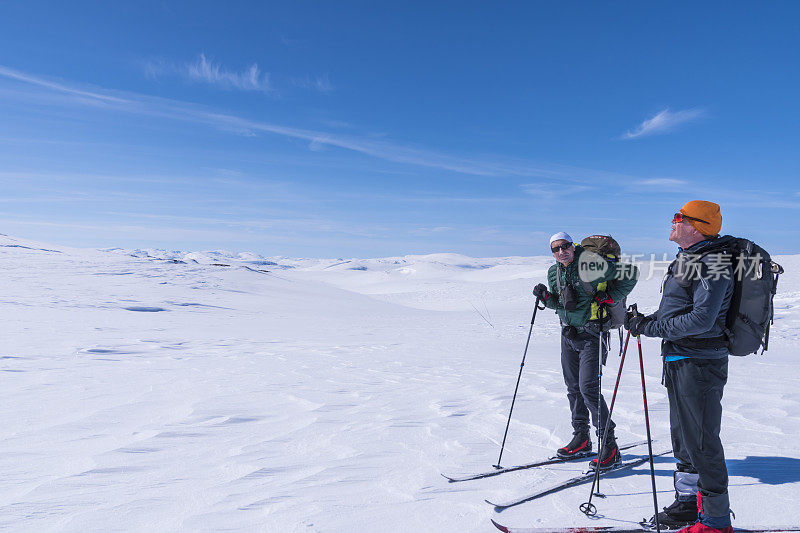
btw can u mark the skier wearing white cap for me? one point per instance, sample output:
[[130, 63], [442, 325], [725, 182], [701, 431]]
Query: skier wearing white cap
[[578, 312]]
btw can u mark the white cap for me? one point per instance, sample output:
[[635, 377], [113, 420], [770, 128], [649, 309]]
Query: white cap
[[560, 236]]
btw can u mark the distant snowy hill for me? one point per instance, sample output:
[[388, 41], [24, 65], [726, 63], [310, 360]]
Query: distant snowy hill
[[151, 390]]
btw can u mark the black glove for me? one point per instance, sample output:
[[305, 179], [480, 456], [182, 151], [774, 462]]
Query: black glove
[[541, 292], [602, 298], [636, 323]]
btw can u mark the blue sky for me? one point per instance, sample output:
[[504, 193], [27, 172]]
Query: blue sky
[[326, 129]]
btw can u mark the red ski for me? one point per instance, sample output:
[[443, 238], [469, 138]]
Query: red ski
[[616, 529]]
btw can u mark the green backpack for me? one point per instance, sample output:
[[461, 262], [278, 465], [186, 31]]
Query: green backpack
[[607, 248], [603, 245]]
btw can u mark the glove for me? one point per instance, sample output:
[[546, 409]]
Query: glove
[[602, 298], [636, 323], [569, 332], [541, 292]]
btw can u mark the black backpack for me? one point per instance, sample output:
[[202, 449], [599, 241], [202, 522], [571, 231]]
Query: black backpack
[[755, 281]]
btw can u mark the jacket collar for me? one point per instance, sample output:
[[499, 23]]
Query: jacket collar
[[699, 246], [703, 245]]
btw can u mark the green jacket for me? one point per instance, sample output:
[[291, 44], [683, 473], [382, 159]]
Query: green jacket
[[618, 281]]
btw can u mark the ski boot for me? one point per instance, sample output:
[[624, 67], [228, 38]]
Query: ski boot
[[678, 515], [579, 446], [609, 455]]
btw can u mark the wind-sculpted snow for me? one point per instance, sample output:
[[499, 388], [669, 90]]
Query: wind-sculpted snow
[[327, 395]]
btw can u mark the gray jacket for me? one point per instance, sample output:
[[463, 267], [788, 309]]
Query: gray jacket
[[693, 305]]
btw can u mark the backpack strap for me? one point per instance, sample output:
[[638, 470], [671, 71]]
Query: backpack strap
[[707, 342], [776, 270], [591, 291], [559, 283], [560, 287]]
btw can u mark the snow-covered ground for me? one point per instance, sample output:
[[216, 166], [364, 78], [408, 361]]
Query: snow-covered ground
[[146, 390]]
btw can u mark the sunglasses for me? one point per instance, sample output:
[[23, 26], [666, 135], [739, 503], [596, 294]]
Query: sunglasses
[[678, 218], [566, 246]]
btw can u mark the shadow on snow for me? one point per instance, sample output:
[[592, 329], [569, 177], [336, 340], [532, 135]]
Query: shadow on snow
[[768, 470]]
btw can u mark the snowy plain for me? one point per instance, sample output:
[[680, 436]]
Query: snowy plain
[[145, 390]]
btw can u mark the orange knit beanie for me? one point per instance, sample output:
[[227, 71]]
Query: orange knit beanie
[[706, 211]]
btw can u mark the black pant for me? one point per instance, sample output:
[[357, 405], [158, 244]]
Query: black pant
[[579, 364], [694, 389]]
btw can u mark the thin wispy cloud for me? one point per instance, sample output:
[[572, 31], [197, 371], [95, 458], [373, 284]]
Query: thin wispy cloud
[[317, 83], [661, 183], [429, 231], [208, 71], [88, 95], [384, 149], [551, 190], [664, 122]]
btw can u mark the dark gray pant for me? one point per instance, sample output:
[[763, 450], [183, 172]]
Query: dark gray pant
[[694, 389], [579, 358]]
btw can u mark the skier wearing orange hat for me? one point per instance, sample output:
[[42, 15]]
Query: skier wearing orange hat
[[691, 321]]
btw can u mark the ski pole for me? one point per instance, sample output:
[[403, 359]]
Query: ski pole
[[588, 508], [600, 438], [514, 399], [649, 440]]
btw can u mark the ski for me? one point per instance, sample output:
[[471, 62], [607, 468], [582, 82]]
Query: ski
[[616, 529], [583, 478], [550, 461]]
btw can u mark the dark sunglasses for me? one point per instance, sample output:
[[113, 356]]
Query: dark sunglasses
[[565, 247], [677, 218]]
